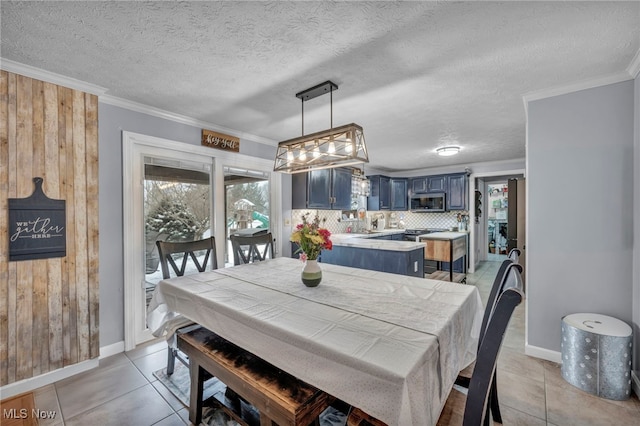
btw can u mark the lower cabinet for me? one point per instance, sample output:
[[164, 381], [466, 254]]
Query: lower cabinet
[[396, 262]]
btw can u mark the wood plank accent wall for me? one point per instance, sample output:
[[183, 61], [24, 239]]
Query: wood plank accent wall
[[49, 307]]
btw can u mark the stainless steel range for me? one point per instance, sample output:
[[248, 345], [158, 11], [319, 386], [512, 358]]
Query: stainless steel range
[[414, 234]]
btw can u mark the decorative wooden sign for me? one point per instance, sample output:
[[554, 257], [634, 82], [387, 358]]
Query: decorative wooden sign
[[220, 141], [37, 226]]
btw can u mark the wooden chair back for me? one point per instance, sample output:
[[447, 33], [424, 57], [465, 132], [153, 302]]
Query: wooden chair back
[[190, 250], [248, 249]]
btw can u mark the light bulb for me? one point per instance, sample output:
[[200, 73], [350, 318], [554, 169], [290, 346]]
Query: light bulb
[[289, 155], [332, 148], [348, 147], [303, 154]]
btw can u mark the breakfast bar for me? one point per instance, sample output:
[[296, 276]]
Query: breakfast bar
[[389, 344]]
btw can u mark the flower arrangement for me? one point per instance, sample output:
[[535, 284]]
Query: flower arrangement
[[311, 238]]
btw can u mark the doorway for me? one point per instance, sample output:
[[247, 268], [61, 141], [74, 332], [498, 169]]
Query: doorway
[[497, 196], [154, 168], [478, 213]]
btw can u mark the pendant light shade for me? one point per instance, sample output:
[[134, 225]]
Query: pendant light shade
[[335, 147]]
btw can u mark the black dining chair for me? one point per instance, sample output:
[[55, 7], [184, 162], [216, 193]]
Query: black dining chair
[[514, 254], [481, 387], [192, 257], [503, 278], [251, 248], [482, 383]]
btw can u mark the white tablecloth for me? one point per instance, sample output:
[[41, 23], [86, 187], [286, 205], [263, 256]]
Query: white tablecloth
[[389, 344]]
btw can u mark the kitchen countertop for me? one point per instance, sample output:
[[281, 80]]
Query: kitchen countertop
[[443, 236], [365, 241], [372, 234]]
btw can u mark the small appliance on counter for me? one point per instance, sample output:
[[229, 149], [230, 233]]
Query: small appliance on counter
[[380, 220], [393, 220]]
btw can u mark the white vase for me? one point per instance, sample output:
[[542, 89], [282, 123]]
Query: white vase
[[311, 273]]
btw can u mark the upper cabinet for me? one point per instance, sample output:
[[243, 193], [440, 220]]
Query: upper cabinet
[[453, 185], [457, 192], [379, 193], [425, 184], [328, 189], [387, 193], [399, 196]]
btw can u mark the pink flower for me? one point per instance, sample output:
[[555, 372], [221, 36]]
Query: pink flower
[[303, 257]]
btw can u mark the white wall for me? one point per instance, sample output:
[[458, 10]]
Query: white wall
[[579, 210]]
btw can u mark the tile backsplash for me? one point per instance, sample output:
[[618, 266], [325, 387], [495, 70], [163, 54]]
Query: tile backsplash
[[334, 223]]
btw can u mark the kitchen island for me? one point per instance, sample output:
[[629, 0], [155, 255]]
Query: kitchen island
[[446, 247], [369, 251]]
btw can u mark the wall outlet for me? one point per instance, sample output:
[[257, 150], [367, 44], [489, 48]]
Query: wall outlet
[[287, 221], [415, 266]]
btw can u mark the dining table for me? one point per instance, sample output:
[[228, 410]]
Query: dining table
[[389, 344]]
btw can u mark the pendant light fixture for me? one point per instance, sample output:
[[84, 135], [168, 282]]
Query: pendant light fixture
[[334, 147]]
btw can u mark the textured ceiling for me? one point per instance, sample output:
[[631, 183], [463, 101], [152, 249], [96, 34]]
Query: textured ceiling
[[415, 75]]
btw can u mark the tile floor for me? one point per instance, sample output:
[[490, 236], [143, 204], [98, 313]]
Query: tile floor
[[123, 391]]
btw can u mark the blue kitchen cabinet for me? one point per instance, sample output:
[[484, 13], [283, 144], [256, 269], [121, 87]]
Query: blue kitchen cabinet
[[426, 184], [399, 196], [328, 189], [379, 193], [396, 262], [457, 191], [382, 237], [387, 193]]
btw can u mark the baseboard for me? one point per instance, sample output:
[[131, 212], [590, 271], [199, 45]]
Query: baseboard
[[45, 379], [113, 349], [542, 353], [635, 382]]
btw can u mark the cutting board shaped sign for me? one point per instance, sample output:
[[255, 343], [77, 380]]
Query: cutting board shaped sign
[[37, 226]]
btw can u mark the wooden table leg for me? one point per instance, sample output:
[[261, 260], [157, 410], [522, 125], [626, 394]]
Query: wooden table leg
[[196, 374]]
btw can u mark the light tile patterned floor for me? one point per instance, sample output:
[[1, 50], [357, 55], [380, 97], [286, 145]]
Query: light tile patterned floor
[[122, 390]]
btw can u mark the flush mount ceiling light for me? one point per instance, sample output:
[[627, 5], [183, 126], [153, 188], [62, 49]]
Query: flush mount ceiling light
[[447, 151], [335, 147]]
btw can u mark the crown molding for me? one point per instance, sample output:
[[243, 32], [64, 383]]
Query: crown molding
[[634, 67], [575, 87], [50, 77], [183, 119], [43, 75]]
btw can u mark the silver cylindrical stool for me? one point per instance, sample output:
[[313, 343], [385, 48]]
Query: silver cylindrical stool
[[596, 354]]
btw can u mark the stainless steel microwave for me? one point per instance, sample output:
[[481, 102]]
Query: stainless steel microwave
[[434, 202]]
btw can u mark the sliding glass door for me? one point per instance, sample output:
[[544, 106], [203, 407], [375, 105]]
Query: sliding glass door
[[177, 207]]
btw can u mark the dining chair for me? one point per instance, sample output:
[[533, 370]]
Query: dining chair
[[503, 278], [478, 395], [192, 257], [514, 254], [481, 388], [254, 248]]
